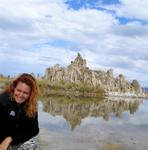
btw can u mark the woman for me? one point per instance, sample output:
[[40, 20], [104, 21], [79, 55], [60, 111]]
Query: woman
[[18, 113]]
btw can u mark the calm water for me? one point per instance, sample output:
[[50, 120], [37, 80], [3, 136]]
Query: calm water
[[92, 124]]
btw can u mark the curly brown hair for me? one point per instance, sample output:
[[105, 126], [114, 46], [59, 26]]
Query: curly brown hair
[[31, 103]]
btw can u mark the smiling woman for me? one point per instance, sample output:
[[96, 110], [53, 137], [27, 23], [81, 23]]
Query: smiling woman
[[18, 112]]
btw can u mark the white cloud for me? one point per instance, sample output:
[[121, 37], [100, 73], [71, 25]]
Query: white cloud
[[133, 9]]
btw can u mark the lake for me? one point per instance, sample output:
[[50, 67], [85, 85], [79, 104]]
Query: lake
[[93, 124]]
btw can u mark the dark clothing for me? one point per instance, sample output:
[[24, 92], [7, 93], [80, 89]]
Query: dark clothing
[[14, 122]]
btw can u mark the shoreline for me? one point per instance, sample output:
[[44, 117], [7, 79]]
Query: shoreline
[[126, 95]]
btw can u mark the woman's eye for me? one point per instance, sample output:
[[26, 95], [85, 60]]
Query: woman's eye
[[18, 90]]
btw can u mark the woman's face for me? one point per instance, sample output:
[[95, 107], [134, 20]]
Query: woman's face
[[21, 92]]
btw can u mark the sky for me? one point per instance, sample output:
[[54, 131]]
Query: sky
[[109, 34]]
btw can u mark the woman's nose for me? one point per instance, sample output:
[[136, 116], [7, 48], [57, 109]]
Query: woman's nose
[[21, 94]]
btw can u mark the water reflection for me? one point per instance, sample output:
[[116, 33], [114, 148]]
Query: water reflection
[[76, 109]]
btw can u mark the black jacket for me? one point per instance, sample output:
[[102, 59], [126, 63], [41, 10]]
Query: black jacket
[[14, 122]]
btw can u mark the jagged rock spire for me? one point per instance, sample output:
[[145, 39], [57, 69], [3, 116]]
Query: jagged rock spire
[[77, 72], [78, 62]]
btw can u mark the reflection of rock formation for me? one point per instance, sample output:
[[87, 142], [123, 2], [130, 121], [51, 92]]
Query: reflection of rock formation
[[77, 72], [75, 110]]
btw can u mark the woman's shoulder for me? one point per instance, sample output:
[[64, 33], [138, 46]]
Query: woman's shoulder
[[4, 98]]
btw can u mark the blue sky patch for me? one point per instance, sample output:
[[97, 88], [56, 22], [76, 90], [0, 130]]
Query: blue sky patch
[[60, 43], [89, 3]]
